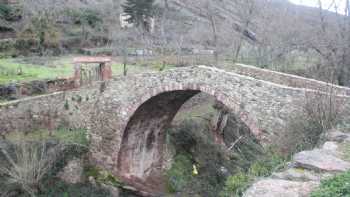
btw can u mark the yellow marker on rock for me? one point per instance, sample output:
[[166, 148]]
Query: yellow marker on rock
[[195, 171]]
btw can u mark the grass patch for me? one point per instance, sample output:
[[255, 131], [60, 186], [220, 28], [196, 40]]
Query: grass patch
[[77, 136], [23, 70], [39, 68], [338, 186]]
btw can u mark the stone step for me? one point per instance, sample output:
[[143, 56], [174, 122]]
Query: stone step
[[280, 188]]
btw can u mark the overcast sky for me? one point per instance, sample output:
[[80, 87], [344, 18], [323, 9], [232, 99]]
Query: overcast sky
[[325, 4]]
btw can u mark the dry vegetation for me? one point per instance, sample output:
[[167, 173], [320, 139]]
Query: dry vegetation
[[29, 164]]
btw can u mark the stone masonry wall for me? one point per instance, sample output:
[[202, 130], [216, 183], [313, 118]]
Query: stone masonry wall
[[288, 79], [66, 109]]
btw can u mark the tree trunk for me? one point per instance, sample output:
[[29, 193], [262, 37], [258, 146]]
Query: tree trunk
[[218, 128]]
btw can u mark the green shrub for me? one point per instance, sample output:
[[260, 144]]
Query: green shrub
[[102, 176], [7, 44], [338, 186], [10, 13], [26, 46], [84, 16], [194, 144], [267, 164], [180, 173], [235, 185], [66, 105], [79, 99], [259, 169], [5, 10], [90, 17]]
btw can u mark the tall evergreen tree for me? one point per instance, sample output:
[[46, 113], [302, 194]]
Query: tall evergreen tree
[[139, 12]]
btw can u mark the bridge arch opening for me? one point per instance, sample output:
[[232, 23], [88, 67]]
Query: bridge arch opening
[[140, 158]]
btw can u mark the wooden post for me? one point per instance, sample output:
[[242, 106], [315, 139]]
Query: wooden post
[[77, 75]]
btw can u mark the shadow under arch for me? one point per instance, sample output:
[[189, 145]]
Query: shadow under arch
[[140, 157]]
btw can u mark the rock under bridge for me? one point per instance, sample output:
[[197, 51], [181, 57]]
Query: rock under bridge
[[127, 116]]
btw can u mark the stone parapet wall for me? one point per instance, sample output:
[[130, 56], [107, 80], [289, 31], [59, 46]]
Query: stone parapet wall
[[60, 109], [288, 79], [37, 87]]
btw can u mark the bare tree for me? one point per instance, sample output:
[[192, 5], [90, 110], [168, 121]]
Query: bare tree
[[212, 15], [332, 42], [41, 15], [246, 10]]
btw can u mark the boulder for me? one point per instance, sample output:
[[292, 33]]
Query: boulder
[[330, 146], [280, 188], [297, 174], [335, 135], [114, 191], [320, 160], [72, 172]]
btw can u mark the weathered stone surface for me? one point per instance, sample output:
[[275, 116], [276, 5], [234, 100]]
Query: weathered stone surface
[[297, 174], [288, 79], [313, 166], [72, 172], [330, 146], [68, 109], [280, 188], [20, 90], [114, 191], [337, 136], [320, 160]]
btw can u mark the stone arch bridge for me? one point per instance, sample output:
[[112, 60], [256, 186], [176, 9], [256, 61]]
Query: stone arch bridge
[[126, 117], [130, 119]]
